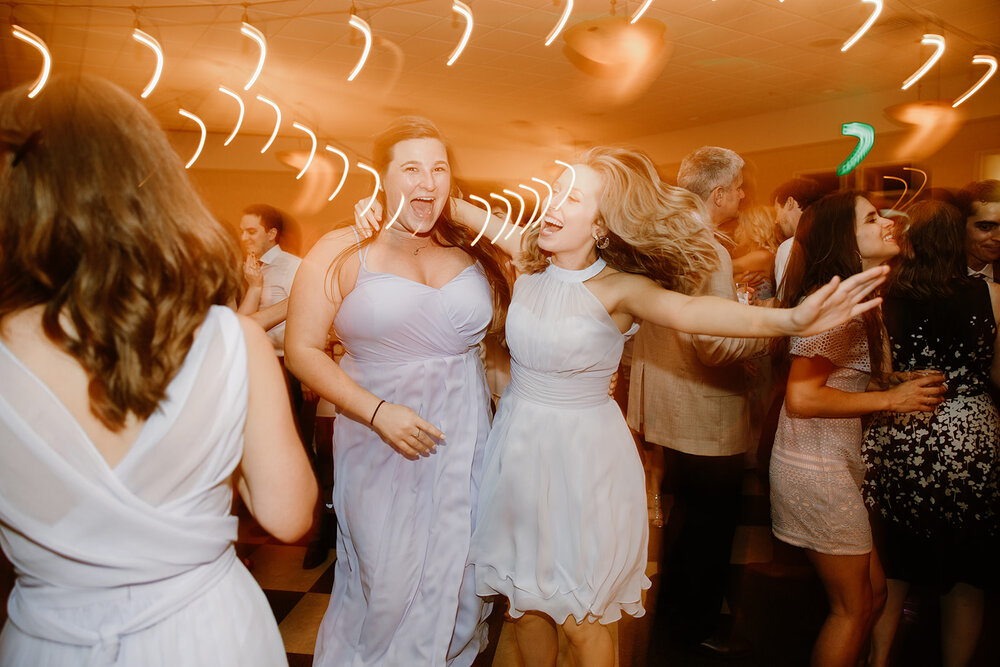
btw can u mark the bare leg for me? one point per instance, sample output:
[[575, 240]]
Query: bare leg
[[961, 622], [887, 623], [847, 580], [590, 643], [537, 639]]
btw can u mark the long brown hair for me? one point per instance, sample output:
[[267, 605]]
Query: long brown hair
[[100, 225], [653, 228], [826, 245], [931, 262], [446, 232]]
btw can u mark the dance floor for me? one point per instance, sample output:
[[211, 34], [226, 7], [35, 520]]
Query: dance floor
[[779, 603]]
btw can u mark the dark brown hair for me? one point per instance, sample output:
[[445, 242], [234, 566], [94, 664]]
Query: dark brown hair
[[270, 218], [825, 246], [931, 262], [100, 226]]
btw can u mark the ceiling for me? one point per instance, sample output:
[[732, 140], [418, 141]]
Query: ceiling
[[726, 59]]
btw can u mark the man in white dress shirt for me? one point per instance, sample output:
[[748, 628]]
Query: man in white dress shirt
[[790, 199], [980, 204]]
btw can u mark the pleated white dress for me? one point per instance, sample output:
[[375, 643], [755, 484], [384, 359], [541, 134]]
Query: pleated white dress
[[562, 523], [132, 565], [403, 592]]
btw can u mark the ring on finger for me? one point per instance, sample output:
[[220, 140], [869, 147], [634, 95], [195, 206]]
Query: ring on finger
[[417, 435]]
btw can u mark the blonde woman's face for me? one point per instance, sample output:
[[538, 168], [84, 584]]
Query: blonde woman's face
[[419, 176], [572, 226]]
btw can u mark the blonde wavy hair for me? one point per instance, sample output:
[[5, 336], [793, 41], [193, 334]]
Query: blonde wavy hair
[[100, 226], [654, 229], [757, 228]]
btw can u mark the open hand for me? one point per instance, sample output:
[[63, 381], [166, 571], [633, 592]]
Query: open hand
[[371, 222], [405, 431], [836, 302]]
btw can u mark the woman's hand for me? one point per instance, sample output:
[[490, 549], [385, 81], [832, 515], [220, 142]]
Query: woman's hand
[[252, 271], [371, 222], [836, 302], [922, 394], [405, 431]]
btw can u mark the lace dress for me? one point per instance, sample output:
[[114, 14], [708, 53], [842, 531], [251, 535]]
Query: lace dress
[[562, 526], [816, 468], [933, 477]]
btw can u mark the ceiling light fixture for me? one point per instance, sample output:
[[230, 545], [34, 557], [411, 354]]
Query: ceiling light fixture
[[991, 62], [534, 211], [505, 220], [572, 182], [865, 26], [201, 142], [378, 184], [938, 42], [642, 10], [35, 41], [486, 222], [562, 22], [343, 177], [366, 30], [277, 121], [239, 121], [548, 200], [257, 36], [312, 151], [520, 213], [143, 38], [465, 11]]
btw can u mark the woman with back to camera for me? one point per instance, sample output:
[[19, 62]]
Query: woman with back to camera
[[410, 305], [816, 468], [932, 477], [130, 396], [561, 526]]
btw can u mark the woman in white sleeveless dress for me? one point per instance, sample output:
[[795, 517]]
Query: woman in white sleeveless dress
[[561, 525], [410, 306], [130, 399]]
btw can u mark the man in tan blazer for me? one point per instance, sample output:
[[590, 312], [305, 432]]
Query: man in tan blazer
[[689, 395]]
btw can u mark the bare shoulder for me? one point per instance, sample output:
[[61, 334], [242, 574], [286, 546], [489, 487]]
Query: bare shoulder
[[619, 281], [332, 243]]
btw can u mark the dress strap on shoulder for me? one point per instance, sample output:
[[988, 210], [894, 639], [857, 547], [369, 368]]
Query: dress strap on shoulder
[[362, 252]]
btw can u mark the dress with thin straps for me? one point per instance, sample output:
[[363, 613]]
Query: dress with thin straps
[[403, 593]]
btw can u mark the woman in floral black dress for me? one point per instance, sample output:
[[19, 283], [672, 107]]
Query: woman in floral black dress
[[932, 480]]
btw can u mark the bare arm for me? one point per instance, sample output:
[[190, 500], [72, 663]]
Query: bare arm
[[807, 394], [472, 216], [271, 316], [995, 302], [276, 480], [312, 307], [834, 303]]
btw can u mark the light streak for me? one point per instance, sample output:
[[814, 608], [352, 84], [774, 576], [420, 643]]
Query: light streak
[[534, 211], [366, 30], [991, 62], [239, 121], [562, 22], [343, 177], [505, 220], [312, 151], [864, 26], [399, 209], [143, 38], [906, 187], [548, 200], [520, 212], [257, 36], [378, 183], [35, 41], [486, 222], [866, 139], [938, 42], [922, 185], [277, 121], [642, 10], [465, 11], [201, 142], [572, 182]]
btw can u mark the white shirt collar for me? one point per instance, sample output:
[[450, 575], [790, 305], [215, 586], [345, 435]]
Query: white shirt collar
[[271, 255]]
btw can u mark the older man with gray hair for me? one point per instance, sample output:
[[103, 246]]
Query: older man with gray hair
[[689, 395]]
